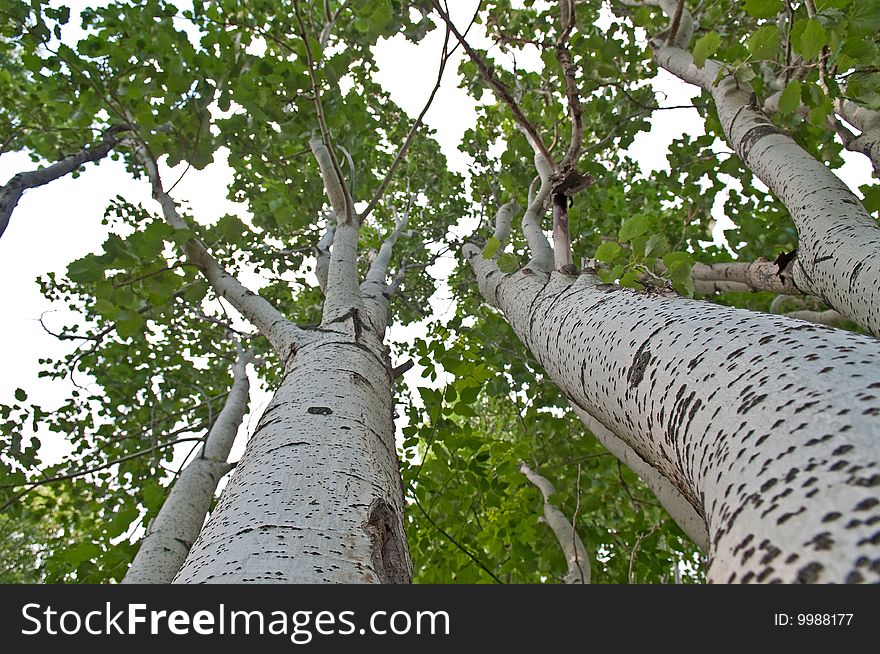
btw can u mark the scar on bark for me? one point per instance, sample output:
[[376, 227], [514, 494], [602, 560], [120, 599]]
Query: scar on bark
[[753, 135], [387, 547]]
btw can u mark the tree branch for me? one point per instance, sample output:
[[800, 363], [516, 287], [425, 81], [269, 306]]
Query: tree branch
[[444, 58], [11, 193], [503, 92], [572, 546], [280, 332]]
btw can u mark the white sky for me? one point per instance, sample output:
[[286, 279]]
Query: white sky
[[59, 223]]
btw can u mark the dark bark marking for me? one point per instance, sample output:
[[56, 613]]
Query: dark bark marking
[[753, 135], [809, 574], [387, 544]]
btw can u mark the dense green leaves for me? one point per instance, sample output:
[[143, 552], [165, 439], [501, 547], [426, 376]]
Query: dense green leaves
[[228, 80]]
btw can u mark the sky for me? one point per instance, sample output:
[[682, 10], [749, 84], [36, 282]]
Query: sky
[[59, 223]]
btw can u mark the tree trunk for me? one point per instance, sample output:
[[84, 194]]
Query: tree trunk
[[317, 497], [838, 257], [767, 425], [677, 505], [173, 531], [576, 558]]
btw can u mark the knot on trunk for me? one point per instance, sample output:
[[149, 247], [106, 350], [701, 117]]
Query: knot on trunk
[[568, 181], [387, 544]]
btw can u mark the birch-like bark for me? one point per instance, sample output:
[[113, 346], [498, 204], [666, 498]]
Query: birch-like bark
[[317, 496], [322, 254], [829, 317], [342, 296], [862, 118], [838, 257], [176, 527], [11, 193], [543, 258], [374, 288], [679, 508], [868, 123], [760, 275], [576, 557], [769, 426]]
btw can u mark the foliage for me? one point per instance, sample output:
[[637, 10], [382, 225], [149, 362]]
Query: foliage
[[226, 78]]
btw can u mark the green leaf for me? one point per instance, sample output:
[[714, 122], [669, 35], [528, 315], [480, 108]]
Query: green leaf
[[129, 325], [631, 280], [195, 291], [635, 226], [608, 251], [872, 197], [810, 39], [677, 258], [764, 44], [76, 554], [790, 99], [656, 245], [492, 245], [763, 8], [463, 409], [85, 270], [20, 395], [507, 263], [706, 46]]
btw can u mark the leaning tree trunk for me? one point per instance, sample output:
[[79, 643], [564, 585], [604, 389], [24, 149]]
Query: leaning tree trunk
[[173, 531], [838, 255], [767, 425]]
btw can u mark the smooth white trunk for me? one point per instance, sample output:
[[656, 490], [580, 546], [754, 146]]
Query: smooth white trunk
[[768, 425], [576, 558], [838, 258], [317, 496], [679, 508], [176, 527]]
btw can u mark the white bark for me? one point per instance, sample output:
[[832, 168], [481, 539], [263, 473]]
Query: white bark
[[177, 525], [317, 496], [677, 505], [838, 256], [768, 425], [868, 123], [342, 296], [760, 275], [322, 254], [542, 254], [862, 118], [829, 317], [374, 289], [576, 557]]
